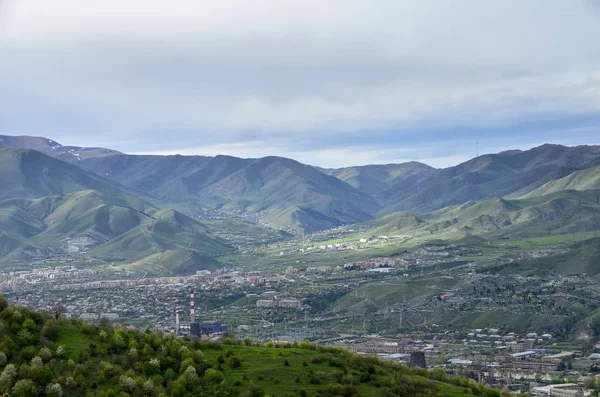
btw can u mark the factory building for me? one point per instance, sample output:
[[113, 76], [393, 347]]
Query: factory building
[[199, 329]]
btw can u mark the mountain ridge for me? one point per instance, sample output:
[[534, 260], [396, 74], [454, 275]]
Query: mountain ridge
[[291, 195]]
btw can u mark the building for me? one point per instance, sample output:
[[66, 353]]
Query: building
[[417, 360], [199, 329], [266, 303], [563, 390], [291, 303]]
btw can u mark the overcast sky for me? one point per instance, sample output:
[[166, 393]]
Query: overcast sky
[[330, 83]]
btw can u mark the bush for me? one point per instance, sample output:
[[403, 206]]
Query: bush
[[50, 330], [213, 376], [254, 391], [235, 362]]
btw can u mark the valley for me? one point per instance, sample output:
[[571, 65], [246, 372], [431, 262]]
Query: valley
[[501, 246]]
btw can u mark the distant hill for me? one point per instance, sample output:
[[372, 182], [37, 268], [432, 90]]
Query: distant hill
[[276, 185], [563, 212], [290, 193], [513, 172], [587, 179], [171, 178], [29, 173], [375, 180], [55, 149], [106, 226]]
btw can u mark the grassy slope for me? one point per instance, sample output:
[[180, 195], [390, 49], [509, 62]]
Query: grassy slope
[[564, 212], [588, 179], [274, 185], [496, 174], [118, 228], [175, 262], [172, 178], [281, 371], [373, 179], [28, 173], [584, 258]]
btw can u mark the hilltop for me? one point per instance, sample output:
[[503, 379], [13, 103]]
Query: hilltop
[[32, 174], [41, 354], [55, 149]]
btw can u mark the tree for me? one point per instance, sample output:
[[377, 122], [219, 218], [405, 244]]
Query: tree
[[3, 303], [589, 382], [24, 388], [58, 310], [54, 390], [8, 376]]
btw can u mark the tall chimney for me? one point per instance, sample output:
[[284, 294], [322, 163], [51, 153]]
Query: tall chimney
[[177, 322], [172, 325], [192, 310]]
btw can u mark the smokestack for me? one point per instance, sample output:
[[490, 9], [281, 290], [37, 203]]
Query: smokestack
[[177, 322], [192, 310], [172, 325]]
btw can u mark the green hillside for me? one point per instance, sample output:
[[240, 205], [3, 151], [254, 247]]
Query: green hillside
[[28, 173], [564, 212], [108, 227], [374, 179], [490, 175], [275, 185], [43, 356], [171, 178], [287, 194], [583, 258], [587, 179]]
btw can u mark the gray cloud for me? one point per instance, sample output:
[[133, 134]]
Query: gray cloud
[[235, 75]]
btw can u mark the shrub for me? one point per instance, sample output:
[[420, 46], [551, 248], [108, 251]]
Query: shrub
[[50, 330], [235, 362], [254, 391], [213, 376], [61, 350]]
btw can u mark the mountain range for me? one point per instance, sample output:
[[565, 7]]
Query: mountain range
[[52, 192]]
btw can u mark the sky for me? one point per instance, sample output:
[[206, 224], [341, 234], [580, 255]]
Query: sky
[[330, 83]]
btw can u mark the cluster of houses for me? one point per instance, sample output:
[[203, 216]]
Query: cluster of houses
[[14, 280], [273, 299], [374, 263]]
